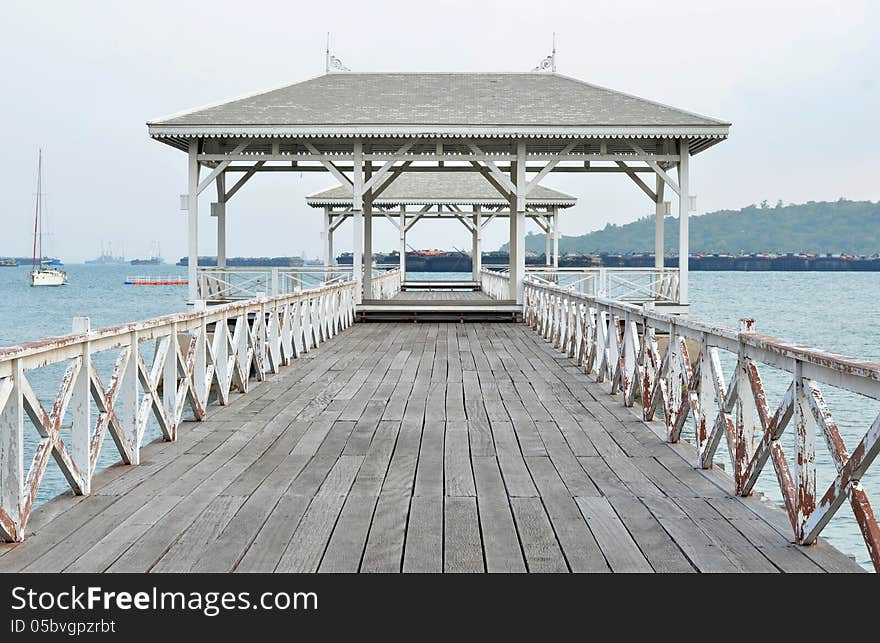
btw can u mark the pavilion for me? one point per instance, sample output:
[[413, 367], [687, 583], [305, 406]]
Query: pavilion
[[368, 129], [465, 197]]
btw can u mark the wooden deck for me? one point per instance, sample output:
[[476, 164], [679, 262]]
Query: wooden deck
[[417, 448]]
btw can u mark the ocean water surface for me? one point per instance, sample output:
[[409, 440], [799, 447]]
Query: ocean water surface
[[833, 311]]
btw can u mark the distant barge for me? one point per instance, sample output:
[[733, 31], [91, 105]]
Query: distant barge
[[434, 261], [252, 262]]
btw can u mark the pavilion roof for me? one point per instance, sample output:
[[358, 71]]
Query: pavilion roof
[[440, 104], [441, 188]]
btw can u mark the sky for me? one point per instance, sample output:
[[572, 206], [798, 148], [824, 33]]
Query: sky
[[798, 80]]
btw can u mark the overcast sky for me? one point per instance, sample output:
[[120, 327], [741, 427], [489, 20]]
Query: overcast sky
[[797, 79]]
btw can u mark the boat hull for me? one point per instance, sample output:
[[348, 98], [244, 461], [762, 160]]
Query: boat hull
[[48, 278]]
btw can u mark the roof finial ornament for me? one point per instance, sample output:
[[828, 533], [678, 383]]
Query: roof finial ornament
[[331, 62], [549, 63]]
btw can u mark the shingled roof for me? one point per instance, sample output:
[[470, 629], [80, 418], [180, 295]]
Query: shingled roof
[[441, 188], [389, 104]]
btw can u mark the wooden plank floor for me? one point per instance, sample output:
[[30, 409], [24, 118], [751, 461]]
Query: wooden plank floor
[[417, 448]]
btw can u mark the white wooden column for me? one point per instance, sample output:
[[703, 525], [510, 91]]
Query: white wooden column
[[220, 212], [555, 236], [477, 245], [357, 218], [327, 237], [331, 251], [512, 245], [659, 220], [192, 206], [518, 224], [548, 241], [368, 235], [684, 206], [402, 229]]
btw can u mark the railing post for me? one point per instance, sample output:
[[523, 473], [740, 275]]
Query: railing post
[[11, 453], [746, 412], [274, 290], [315, 317], [127, 402], [805, 459], [630, 367], [706, 398], [80, 410], [200, 367], [169, 380], [221, 355], [306, 312], [602, 286]]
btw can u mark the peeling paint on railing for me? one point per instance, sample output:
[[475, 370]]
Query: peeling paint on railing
[[617, 342], [198, 356]]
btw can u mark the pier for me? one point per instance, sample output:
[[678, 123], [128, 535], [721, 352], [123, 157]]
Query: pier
[[295, 439], [534, 420]]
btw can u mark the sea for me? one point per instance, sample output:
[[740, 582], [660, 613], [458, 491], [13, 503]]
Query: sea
[[834, 311]]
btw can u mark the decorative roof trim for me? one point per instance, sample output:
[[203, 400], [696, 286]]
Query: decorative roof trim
[[444, 131], [316, 201]]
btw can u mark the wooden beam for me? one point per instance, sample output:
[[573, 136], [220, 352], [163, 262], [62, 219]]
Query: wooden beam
[[651, 194], [488, 220], [251, 171], [467, 224], [531, 185], [475, 167], [497, 174], [659, 170], [542, 222], [339, 220], [385, 157], [388, 165], [491, 179], [391, 219], [221, 167], [394, 174], [331, 167], [416, 218]]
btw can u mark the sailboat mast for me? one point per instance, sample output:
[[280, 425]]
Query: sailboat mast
[[37, 229], [40, 203]]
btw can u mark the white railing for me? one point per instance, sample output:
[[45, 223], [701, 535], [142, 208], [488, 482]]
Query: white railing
[[495, 284], [620, 344], [385, 284], [163, 366], [635, 285], [230, 284]]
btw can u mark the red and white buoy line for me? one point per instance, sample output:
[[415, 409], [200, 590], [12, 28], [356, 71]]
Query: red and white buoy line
[[168, 280]]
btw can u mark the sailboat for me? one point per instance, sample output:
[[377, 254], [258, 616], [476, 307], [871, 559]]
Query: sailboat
[[44, 271]]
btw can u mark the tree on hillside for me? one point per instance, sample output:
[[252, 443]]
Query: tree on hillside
[[841, 226]]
